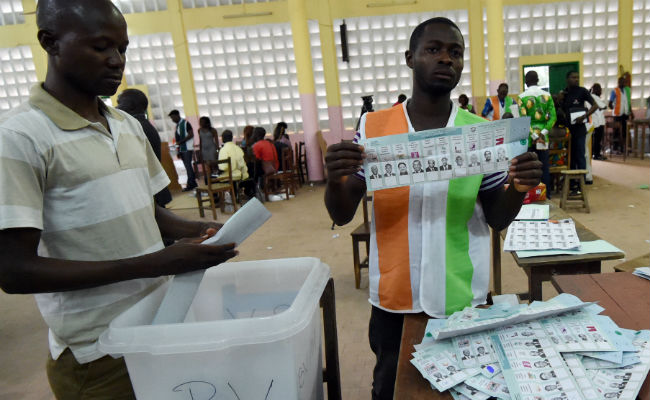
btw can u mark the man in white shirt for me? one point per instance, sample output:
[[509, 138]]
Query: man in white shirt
[[78, 224]]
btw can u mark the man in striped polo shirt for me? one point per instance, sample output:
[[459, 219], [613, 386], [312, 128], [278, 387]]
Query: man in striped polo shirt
[[429, 243], [78, 224]]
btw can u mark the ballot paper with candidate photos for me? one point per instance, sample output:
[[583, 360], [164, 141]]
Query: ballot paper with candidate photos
[[541, 235], [438, 364], [442, 154], [581, 376], [495, 386], [474, 350], [624, 383], [532, 368], [577, 330], [470, 392]]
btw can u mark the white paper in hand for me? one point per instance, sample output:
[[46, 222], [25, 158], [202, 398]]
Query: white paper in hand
[[182, 290]]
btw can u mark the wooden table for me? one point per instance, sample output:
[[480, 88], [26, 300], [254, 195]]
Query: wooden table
[[639, 126], [625, 297], [409, 384], [630, 266], [540, 269]]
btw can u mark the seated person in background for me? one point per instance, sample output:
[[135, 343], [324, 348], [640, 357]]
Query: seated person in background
[[280, 134], [135, 103], [237, 163], [265, 154], [463, 101]]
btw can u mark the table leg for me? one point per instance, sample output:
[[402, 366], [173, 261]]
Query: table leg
[[496, 261], [534, 284], [643, 126], [357, 263]]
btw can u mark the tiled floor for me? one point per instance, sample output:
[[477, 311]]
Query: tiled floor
[[301, 227]]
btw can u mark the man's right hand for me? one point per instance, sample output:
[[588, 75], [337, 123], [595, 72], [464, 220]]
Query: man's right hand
[[343, 159], [189, 255]]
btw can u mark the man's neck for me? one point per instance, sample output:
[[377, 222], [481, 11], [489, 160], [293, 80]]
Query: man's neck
[[84, 104], [427, 111]]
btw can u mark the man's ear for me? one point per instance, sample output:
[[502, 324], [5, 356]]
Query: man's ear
[[408, 56], [49, 42]]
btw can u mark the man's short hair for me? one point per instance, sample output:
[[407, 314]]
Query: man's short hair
[[503, 84], [226, 136], [174, 112], [573, 71], [133, 101], [417, 32]]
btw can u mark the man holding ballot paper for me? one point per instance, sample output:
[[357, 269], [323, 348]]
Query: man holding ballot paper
[[429, 242]]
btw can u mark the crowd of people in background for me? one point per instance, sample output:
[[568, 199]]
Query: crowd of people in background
[[548, 112]]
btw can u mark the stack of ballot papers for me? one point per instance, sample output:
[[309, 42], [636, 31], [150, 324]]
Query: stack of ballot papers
[[541, 235], [561, 349], [643, 272]]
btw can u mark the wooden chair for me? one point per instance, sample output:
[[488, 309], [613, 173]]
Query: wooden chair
[[559, 155], [300, 162], [216, 186], [579, 199], [285, 179], [361, 234]]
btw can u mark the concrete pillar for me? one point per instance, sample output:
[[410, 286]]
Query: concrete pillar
[[304, 70], [496, 44]]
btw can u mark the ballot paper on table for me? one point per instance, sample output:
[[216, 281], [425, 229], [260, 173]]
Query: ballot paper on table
[[533, 212], [182, 290], [643, 272], [596, 246], [541, 235]]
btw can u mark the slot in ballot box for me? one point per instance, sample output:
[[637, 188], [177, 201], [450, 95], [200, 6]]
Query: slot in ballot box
[[252, 331]]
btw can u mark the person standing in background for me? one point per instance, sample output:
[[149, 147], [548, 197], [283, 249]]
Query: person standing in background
[[538, 105], [598, 120], [573, 102], [463, 101], [500, 104], [209, 140], [400, 99], [135, 102], [185, 144], [621, 104]]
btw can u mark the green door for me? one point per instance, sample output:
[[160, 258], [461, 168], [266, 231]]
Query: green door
[[556, 74]]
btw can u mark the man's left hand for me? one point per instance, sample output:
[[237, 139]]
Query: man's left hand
[[525, 172], [209, 229]]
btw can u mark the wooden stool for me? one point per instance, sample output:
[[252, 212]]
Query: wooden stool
[[581, 199]]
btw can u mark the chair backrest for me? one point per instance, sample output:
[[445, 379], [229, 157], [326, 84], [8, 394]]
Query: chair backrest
[[286, 161], [213, 167]]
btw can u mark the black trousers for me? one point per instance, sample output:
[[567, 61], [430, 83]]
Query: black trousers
[[186, 156], [597, 139], [385, 335], [620, 136]]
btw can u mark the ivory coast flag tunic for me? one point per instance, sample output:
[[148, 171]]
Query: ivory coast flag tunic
[[429, 243]]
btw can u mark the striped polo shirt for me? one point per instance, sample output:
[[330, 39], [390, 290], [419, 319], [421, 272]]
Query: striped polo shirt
[[90, 193], [429, 243]]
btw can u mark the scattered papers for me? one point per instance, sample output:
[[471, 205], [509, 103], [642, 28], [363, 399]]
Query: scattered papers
[[573, 355], [182, 290], [541, 235], [443, 154], [533, 212], [596, 246], [643, 272]]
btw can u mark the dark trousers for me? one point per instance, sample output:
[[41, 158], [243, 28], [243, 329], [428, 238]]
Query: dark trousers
[[578, 136], [385, 335], [597, 139], [620, 136], [542, 155], [186, 156]]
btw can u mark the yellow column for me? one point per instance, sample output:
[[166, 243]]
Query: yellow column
[[304, 70], [477, 52], [625, 27], [331, 70], [39, 56], [182, 56], [496, 44]]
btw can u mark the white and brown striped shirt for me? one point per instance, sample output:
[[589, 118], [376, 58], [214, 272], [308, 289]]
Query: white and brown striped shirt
[[90, 192]]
